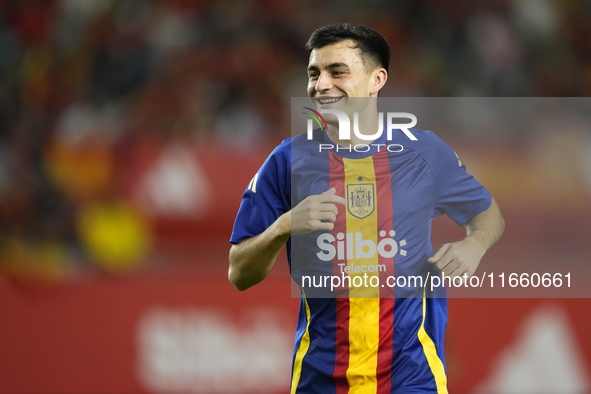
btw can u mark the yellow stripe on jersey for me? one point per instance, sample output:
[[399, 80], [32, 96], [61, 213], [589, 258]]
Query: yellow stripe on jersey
[[431, 353], [253, 183], [303, 349], [364, 313]]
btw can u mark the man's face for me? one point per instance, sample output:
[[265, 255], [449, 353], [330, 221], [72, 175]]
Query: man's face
[[337, 71]]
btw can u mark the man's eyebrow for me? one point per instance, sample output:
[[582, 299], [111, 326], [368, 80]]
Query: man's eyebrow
[[335, 65], [332, 65]]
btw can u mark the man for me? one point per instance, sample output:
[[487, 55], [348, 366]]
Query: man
[[378, 344]]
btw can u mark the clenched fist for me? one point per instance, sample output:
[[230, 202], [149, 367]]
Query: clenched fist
[[317, 212]]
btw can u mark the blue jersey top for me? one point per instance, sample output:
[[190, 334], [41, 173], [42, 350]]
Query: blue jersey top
[[385, 338]]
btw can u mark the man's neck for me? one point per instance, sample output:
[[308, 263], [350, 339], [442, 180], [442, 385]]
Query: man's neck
[[368, 125]]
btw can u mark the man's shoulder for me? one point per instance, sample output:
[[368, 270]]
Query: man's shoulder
[[424, 138], [292, 148], [427, 143], [282, 152], [299, 145], [283, 147]]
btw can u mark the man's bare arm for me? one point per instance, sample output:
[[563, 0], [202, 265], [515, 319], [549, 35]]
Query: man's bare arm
[[487, 227], [252, 259], [463, 257]]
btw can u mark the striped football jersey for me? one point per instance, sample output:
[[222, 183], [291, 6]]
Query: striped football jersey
[[385, 336]]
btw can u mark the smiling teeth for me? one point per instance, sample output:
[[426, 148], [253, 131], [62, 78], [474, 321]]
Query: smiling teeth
[[328, 101]]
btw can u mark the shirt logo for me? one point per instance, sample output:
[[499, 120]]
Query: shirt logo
[[361, 199]]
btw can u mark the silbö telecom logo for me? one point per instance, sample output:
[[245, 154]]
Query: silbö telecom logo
[[345, 129]]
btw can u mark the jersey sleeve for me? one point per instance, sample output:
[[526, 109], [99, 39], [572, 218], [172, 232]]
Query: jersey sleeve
[[266, 197], [455, 192]]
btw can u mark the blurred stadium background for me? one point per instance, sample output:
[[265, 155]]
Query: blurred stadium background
[[129, 130]]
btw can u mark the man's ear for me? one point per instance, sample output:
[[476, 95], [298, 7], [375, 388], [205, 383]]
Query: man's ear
[[378, 80]]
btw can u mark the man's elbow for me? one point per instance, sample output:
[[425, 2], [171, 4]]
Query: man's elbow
[[237, 276], [238, 280]]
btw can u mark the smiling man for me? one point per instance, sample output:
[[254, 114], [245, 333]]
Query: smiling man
[[342, 68], [382, 340]]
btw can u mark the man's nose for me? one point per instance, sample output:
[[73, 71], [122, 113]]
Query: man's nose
[[323, 82]]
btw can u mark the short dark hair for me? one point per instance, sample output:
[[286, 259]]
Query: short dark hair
[[373, 46]]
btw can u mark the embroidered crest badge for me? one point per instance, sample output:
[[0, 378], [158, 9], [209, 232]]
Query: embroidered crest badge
[[361, 199]]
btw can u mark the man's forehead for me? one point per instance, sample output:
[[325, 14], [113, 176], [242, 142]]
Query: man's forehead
[[345, 49]]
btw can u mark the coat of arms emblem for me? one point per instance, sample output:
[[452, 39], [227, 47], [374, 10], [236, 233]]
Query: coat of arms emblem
[[361, 199]]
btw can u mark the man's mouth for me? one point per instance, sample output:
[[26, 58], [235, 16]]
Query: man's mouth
[[328, 100]]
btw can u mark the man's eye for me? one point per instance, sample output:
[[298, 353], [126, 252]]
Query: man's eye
[[313, 76], [337, 72]]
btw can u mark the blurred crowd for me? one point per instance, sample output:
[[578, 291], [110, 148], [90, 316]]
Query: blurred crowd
[[82, 81]]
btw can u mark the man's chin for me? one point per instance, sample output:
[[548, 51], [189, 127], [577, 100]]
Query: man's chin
[[331, 119]]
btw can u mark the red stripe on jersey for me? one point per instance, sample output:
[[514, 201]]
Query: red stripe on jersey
[[337, 180], [384, 207]]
